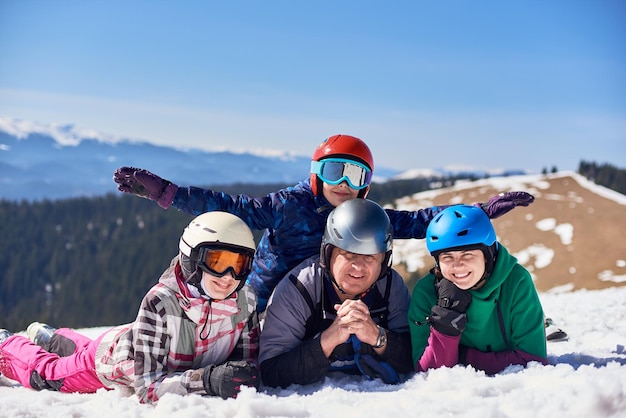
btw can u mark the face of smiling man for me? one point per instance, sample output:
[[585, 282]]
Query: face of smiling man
[[463, 268], [354, 273]]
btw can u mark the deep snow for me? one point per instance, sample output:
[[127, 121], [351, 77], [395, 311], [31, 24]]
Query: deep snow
[[586, 378]]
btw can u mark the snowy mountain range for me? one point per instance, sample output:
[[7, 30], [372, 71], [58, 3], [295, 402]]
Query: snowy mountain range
[[45, 161], [48, 161]]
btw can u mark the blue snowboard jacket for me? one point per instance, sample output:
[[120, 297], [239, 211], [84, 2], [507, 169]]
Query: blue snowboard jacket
[[294, 220]]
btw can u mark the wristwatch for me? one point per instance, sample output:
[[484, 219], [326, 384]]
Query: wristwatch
[[382, 338]]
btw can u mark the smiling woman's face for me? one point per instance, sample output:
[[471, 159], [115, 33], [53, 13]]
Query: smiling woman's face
[[463, 268]]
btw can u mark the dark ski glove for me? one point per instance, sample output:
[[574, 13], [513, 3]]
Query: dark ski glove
[[143, 183], [450, 296], [501, 204], [225, 380], [448, 316]]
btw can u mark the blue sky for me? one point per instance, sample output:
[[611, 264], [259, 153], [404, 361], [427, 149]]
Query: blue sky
[[427, 84]]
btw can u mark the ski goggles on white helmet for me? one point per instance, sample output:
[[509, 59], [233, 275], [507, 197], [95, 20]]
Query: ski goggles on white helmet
[[219, 261], [337, 170]]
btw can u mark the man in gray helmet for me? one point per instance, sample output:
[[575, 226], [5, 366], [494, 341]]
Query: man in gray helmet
[[342, 310]]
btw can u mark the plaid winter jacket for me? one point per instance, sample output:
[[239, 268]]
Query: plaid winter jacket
[[176, 334]]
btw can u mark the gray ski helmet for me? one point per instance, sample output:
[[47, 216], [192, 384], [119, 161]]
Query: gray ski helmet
[[359, 226]]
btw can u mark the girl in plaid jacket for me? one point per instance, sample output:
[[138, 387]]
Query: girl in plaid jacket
[[196, 330]]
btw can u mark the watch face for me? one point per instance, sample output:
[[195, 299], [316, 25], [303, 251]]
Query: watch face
[[382, 338]]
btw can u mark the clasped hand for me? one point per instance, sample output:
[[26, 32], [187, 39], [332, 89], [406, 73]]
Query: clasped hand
[[353, 317]]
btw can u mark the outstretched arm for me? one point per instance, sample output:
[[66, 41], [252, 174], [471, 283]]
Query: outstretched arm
[[145, 184], [504, 202]]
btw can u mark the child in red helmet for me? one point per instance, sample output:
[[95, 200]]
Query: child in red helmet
[[294, 218]]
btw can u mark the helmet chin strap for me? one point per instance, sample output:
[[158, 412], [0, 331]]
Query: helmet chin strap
[[195, 280], [480, 282], [343, 292], [334, 282], [490, 260]]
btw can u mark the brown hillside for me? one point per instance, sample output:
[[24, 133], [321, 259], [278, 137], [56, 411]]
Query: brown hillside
[[570, 238]]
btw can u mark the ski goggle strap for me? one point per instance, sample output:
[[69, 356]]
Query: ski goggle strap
[[337, 170], [220, 261]]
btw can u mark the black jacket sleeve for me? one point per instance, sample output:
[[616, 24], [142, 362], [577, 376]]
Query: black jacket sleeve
[[398, 351], [303, 365]]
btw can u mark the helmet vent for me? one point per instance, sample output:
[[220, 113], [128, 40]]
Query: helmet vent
[[459, 226]]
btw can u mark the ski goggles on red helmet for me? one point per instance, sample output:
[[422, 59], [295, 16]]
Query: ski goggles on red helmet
[[219, 261], [337, 170]]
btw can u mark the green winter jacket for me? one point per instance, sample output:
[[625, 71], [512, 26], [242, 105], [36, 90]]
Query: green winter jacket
[[505, 323]]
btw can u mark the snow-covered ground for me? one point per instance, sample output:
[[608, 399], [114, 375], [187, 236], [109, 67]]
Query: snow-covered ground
[[586, 378]]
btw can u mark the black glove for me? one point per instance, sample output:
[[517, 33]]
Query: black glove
[[450, 296], [145, 184], [502, 203], [447, 321], [448, 316], [225, 380]]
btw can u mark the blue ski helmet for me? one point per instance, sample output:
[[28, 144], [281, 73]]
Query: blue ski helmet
[[459, 227], [463, 227]]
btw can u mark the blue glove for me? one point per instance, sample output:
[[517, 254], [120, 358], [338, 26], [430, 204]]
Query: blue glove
[[504, 202], [145, 184]]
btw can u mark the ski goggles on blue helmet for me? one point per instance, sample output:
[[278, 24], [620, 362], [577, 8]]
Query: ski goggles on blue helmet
[[337, 170], [219, 261]]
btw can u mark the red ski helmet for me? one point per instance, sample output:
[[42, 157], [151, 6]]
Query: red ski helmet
[[342, 146]]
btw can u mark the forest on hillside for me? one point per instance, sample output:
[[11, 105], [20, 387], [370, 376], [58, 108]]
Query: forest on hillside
[[606, 175], [87, 262]]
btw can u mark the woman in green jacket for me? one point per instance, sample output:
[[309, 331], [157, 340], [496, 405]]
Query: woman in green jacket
[[478, 306]]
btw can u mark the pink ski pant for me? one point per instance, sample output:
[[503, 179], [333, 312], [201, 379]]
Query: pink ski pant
[[19, 358]]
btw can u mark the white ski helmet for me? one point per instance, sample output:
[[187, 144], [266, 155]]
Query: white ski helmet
[[215, 230]]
